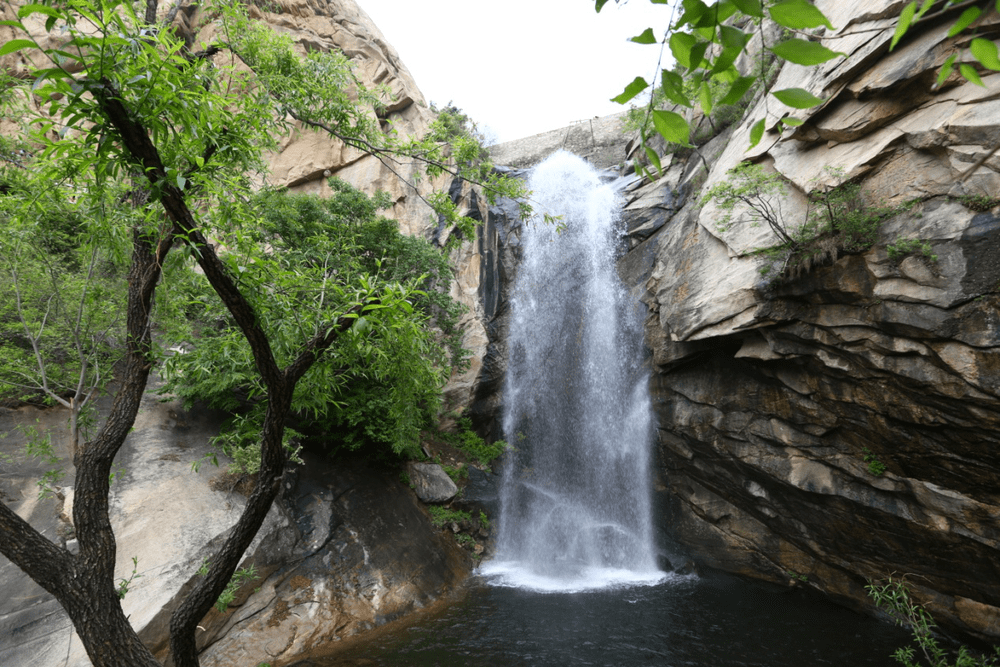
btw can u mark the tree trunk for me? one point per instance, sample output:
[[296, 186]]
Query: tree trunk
[[84, 584]]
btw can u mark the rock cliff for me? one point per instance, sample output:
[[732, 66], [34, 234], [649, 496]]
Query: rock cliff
[[781, 399]]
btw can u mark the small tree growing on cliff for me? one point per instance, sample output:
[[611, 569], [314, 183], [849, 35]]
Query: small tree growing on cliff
[[759, 192]]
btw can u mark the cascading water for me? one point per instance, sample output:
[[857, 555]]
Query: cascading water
[[575, 503]]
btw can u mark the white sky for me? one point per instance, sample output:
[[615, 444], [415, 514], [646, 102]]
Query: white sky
[[520, 67]]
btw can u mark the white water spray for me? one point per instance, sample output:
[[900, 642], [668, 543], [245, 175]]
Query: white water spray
[[575, 504]]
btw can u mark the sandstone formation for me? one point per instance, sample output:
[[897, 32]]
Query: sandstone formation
[[780, 398]]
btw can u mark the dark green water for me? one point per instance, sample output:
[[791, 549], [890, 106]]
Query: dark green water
[[711, 621]]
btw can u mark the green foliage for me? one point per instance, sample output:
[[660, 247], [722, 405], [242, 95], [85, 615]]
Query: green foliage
[[893, 597], [240, 577], [39, 446], [758, 192], [456, 473], [441, 516], [900, 248], [60, 325], [838, 218], [980, 203], [875, 467], [379, 386], [125, 584], [709, 38], [468, 441]]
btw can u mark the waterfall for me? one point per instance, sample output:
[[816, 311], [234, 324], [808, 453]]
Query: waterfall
[[575, 499]]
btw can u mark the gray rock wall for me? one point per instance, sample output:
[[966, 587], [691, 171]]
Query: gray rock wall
[[775, 394]]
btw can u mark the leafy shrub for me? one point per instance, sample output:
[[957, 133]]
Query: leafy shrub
[[875, 467], [441, 516], [379, 384], [900, 248], [893, 597], [468, 441]]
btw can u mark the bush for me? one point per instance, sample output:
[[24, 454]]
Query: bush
[[379, 384], [466, 440]]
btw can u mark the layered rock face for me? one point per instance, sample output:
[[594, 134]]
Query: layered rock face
[[779, 399]]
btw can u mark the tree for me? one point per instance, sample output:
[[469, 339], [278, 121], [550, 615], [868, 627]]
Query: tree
[[125, 102], [378, 386], [56, 315], [707, 40]]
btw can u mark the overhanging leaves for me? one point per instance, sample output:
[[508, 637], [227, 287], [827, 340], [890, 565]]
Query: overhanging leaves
[[672, 127], [673, 88], [965, 20], [798, 15], [797, 98], [905, 18], [15, 45], [985, 52], [631, 90], [647, 37], [803, 52]]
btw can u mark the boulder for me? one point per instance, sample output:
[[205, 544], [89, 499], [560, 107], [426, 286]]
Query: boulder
[[430, 482]]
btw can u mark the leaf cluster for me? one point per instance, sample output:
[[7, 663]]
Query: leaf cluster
[[893, 596], [379, 385], [708, 39]]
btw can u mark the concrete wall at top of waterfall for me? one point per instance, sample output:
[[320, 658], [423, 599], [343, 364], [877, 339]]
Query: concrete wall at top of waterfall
[[778, 397]]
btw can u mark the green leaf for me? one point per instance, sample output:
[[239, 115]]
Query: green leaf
[[756, 132], [905, 18], [694, 10], [673, 87], [647, 37], [16, 45], [792, 122], [35, 8], [737, 90], [13, 24], [600, 5], [698, 55], [681, 44], [797, 98], [798, 15], [750, 7], [654, 159], [924, 7], [946, 69], [965, 20], [672, 127], [985, 52], [705, 98], [631, 90], [970, 73], [803, 52], [733, 41], [718, 13]]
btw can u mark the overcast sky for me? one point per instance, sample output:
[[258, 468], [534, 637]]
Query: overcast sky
[[520, 67]]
